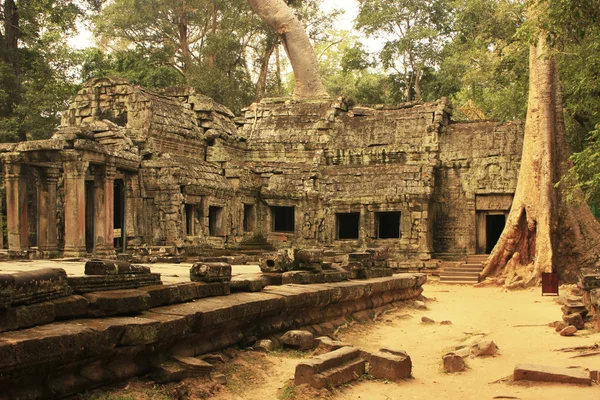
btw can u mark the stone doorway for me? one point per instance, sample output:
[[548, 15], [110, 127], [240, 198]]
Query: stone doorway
[[89, 217], [490, 225], [120, 241]]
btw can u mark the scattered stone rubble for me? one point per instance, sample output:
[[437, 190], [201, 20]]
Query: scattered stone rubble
[[589, 283], [543, 373]]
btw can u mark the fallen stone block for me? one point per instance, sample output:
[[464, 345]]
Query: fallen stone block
[[264, 346], [544, 373], [308, 256], [595, 376], [484, 348], [365, 259], [117, 302], [560, 325], [113, 267], [569, 330], [589, 278], [453, 363], [41, 285], [419, 305], [70, 307], [276, 262], [330, 369], [311, 267], [301, 340], [392, 366], [574, 319], [175, 371], [195, 364], [97, 283], [247, 283], [427, 320], [210, 272], [574, 308], [325, 344]]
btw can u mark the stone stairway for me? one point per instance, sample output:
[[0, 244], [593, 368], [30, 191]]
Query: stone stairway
[[466, 273]]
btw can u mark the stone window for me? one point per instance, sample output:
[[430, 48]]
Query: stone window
[[249, 218], [282, 219], [387, 225], [215, 221], [347, 225]]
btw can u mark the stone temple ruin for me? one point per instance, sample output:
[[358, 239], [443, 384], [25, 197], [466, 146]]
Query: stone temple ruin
[[332, 198], [174, 173]]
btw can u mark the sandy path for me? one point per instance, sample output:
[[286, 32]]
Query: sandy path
[[471, 310], [490, 310]]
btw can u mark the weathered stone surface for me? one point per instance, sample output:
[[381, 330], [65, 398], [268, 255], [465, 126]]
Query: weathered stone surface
[[573, 308], [35, 314], [312, 371], [386, 365], [595, 376], [453, 363], [427, 320], [117, 302], [247, 283], [70, 307], [211, 289], [162, 295], [419, 305], [280, 261], [41, 285], [543, 373], [484, 348], [325, 344], [7, 288], [175, 371], [308, 256], [301, 340], [210, 272], [95, 283], [574, 319], [569, 330], [113, 267], [589, 278], [264, 345]]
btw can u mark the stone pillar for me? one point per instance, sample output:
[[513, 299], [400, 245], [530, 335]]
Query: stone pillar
[[16, 208], [47, 226], [104, 212], [74, 186]]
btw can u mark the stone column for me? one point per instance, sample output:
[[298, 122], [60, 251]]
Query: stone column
[[104, 212], [47, 227], [16, 208], [74, 186]]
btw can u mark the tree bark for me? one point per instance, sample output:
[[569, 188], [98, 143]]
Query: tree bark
[[280, 17], [543, 233]]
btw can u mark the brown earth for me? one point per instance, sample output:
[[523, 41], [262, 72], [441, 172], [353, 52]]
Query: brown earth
[[516, 321]]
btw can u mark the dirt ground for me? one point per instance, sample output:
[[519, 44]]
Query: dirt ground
[[516, 321]]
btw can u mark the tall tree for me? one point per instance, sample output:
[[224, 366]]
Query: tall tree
[[35, 63], [292, 33], [413, 32], [543, 233]]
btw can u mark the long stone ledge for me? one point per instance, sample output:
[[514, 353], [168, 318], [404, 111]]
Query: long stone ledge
[[65, 358]]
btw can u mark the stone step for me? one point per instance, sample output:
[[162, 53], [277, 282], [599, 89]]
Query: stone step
[[472, 265], [331, 369], [334, 377], [461, 269], [463, 274], [458, 282], [477, 258], [459, 279]]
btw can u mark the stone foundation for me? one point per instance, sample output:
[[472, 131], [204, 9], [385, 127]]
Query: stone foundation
[[64, 358]]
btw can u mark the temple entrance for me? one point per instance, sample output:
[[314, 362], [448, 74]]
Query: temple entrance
[[120, 240], [490, 225], [89, 217]]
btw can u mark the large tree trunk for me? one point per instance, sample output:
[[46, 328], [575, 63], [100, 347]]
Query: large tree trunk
[[543, 233], [261, 84], [280, 17]]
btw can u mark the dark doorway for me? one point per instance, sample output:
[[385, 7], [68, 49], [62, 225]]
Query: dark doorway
[[190, 214], [119, 215], [387, 225], [248, 217], [494, 227], [348, 225], [215, 227], [89, 216], [283, 219]]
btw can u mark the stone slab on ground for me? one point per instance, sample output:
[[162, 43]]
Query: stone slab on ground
[[175, 371], [391, 366], [544, 373], [312, 371], [96, 283], [453, 363], [247, 283], [301, 340], [40, 285], [117, 302], [210, 272], [331, 378], [113, 267]]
